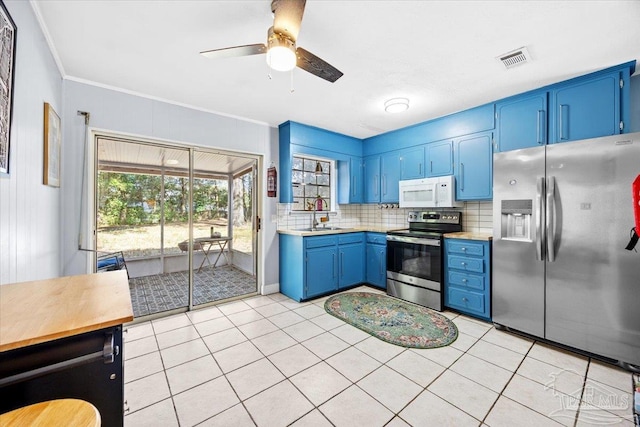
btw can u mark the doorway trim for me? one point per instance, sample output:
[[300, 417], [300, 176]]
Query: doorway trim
[[88, 226]]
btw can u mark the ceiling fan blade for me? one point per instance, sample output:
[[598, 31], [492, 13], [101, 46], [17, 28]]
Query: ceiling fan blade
[[287, 16], [316, 66], [230, 52]]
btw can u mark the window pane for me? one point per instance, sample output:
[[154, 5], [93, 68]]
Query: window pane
[[296, 177], [323, 180], [307, 185], [310, 165], [324, 192]]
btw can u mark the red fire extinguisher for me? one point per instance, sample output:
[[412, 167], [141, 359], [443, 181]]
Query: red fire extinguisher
[[635, 231], [272, 180]]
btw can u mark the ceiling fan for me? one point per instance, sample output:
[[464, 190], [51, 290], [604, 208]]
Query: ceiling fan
[[281, 50]]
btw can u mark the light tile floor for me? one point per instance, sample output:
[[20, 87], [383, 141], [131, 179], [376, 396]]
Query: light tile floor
[[270, 361]]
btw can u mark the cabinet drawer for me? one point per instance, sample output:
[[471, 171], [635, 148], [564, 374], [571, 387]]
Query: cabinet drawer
[[377, 238], [467, 248], [317, 242], [465, 263], [468, 300], [470, 281], [351, 238]]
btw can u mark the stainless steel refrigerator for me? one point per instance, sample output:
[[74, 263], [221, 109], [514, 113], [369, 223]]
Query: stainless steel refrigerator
[[562, 216]]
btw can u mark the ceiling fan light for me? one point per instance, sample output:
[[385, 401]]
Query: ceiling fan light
[[396, 105], [281, 58]]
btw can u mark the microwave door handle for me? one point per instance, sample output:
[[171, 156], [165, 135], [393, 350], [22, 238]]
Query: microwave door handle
[[540, 202]]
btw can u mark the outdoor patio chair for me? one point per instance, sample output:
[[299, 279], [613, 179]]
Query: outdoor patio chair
[[111, 261]]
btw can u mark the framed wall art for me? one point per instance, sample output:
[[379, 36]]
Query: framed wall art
[[7, 60], [52, 143]]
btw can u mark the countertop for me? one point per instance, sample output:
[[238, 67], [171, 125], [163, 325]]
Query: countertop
[[321, 232], [469, 235], [46, 310]]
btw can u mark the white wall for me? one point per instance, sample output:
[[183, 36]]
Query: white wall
[[635, 102], [30, 211], [127, 113]]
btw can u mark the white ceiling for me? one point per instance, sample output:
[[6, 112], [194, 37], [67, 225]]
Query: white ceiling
[[439, 54]]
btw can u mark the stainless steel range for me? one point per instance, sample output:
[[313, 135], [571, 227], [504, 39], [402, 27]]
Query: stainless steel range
[[414, 257]]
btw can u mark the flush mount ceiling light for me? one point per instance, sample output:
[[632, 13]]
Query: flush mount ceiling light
[[172, 162], [396, 105]]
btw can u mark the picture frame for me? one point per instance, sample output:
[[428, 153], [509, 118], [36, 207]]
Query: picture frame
[[8, 32], [52, 145]]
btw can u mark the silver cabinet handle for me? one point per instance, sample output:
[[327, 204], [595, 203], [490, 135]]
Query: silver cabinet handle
[[464, 264], [381, 259], [563, 121], [551, 225], [464, 299], [333, 266], [539, 211], [463, 249], [540, 127], [431, 166], [419, 168], [461, 176]]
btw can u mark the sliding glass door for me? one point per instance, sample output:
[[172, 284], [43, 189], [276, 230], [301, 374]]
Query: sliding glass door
[[170, 211]]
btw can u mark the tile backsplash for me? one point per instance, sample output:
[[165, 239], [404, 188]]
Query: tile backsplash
[[477, 216]]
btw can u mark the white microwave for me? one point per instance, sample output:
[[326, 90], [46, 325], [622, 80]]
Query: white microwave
[[436, 192]]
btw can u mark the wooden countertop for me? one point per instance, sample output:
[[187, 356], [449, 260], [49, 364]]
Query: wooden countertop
[[470, 235], [45, 310]]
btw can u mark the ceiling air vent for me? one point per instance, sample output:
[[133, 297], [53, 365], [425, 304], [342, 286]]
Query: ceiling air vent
[[515, 58]]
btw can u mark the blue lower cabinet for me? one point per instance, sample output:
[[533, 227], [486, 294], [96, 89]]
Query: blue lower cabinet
[[319, 265], [320, 271], [377, 260], [467, 277]]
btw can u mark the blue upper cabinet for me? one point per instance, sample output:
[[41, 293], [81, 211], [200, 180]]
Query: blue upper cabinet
[[389, 177], [381, 176], [350, 181], [371, 166], [521, 122], [587, 109], [412, 164], [296, 138], [439, 158], [474, 166], [584, 107]]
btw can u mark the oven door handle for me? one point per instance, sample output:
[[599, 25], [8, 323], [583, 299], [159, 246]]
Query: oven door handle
[[414, 240]]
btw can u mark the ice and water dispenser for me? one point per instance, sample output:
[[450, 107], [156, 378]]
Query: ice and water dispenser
[[516, 219]]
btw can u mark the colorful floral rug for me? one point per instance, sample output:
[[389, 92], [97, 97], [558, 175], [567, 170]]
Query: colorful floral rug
[[393, 320]]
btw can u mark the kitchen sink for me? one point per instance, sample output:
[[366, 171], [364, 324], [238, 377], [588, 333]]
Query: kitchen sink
[[323, 229]]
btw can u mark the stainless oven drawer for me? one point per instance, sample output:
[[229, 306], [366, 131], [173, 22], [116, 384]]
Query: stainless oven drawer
[[415, 294]]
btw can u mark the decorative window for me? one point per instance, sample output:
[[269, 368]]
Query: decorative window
[[311, 178]]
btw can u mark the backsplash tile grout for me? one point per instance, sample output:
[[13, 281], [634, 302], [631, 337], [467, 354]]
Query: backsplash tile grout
[[476, 217]]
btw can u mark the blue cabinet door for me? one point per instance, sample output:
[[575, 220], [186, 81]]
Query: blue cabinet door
[[390, 175], [350, 181], [587, 109], [439, 158], [412, 164], [377, 265], [522, 122], [321, 271], [372, 179], [351, 264], [474, 167]]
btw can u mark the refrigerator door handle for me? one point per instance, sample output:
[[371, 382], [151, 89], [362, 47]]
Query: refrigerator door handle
[[539, 211], [551, 219]]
